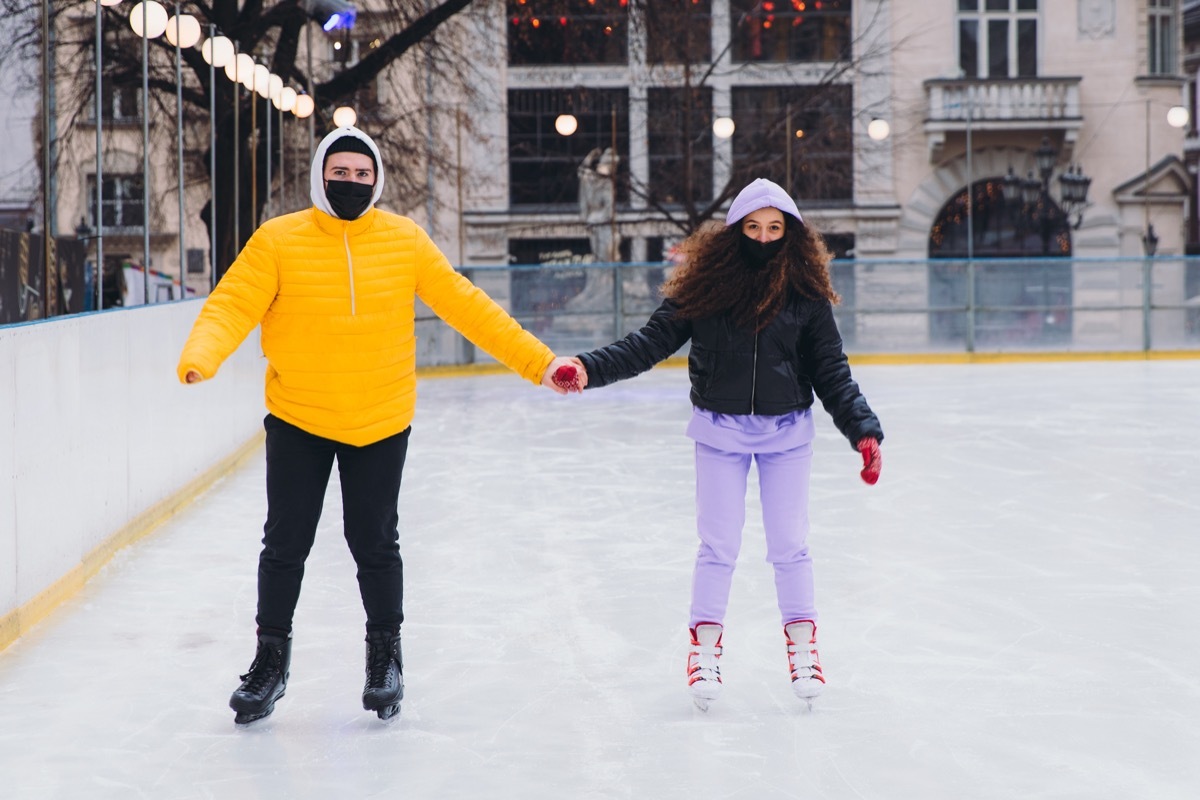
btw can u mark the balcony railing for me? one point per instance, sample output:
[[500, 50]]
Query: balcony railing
[[1008, 104]]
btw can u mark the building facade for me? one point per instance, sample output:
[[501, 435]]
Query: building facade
[[602, 130]]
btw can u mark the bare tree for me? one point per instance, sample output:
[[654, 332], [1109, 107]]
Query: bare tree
[[404, 33], [799, 134]]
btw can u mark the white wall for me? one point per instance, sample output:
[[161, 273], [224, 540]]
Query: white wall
[[96, 429]]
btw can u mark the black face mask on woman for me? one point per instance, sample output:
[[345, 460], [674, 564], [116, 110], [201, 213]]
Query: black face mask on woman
[[759, 254], [347, 198]]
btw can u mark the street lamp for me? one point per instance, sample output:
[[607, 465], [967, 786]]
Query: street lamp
[[566, 124], [1030, 203], [878, 129], [1150, 241], [723, 127]]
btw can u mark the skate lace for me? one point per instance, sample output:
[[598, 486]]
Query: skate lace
[[379, 663], [702, 663], [804, 661], [262, 671]]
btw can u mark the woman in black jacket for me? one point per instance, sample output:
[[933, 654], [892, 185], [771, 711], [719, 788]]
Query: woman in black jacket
[[754, 297]]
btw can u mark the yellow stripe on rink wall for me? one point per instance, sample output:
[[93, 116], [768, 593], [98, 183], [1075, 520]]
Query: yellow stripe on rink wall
[[18, 622]]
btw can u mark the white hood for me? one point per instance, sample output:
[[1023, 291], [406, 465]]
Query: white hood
[[317, 178]]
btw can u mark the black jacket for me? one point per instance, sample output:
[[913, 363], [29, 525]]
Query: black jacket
[[733, 371]]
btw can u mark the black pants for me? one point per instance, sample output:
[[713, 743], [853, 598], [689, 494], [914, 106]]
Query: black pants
[[298, 469]]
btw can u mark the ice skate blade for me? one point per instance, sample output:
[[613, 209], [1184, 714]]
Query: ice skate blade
[[702, 703], [243, 719], [389, 713]]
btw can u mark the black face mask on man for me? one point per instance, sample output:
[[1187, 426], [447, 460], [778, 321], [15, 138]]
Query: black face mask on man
[[347, 198], [759, 254]]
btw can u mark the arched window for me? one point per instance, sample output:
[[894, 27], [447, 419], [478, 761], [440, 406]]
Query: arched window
[[1002, 229], [1022, 287]]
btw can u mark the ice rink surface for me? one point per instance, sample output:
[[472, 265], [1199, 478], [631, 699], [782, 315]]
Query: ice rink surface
[[1010, 613]]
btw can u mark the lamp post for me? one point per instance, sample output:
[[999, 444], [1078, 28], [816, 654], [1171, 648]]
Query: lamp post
[[99, 151], [305, 105], [218, 51], [148, 19], [183, 30]]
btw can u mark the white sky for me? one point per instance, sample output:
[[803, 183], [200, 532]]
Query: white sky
[[1009, 613]]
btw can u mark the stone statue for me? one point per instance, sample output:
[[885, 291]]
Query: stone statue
[[597, 195]]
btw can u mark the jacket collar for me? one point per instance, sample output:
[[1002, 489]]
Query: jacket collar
[[335, 226]]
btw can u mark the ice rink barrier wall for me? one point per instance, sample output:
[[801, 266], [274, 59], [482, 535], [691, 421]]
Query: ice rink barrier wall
[[101, 442]]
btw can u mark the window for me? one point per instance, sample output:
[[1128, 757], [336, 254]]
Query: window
[[804, 128], [120, 103], [568, 31], [998, 38], [1162, 50], [678, 31], [122, 201], [542, 163], [790, 30], [679, 132]]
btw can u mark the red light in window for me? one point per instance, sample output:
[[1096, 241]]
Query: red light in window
[[608, 30], [817, 5], [562, 21], [516, 20], [537, 23], [766, 25], [798, 5], [768, 6]]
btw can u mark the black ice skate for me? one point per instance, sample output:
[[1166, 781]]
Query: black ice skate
[[385, 674], [265, 682]]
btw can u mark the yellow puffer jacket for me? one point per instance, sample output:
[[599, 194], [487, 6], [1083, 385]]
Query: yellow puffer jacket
[[336, 303]]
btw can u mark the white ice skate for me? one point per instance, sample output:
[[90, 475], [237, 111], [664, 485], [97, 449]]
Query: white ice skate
[[704, 673], [807, 679]]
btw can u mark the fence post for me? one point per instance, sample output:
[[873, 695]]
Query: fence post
[[1146, 289], [618, 296], [970, 306]]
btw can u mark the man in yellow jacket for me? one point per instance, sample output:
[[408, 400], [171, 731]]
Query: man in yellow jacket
[[334, 289]]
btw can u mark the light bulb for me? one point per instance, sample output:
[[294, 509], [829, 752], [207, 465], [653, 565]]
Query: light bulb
[[879, 129], [304, 106], [189, 30], [217, 51], [344, 117], [287, 99], [155, 19], [566, 124]]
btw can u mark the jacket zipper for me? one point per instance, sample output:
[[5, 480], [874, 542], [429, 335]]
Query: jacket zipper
[[350, 266], [754, 373]]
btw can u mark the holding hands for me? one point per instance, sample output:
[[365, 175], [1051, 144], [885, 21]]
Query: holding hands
[[565, 375]]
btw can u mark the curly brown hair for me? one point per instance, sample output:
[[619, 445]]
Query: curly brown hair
[[714, 277]]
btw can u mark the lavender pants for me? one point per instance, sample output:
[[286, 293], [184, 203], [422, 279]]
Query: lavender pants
[[783, 476]]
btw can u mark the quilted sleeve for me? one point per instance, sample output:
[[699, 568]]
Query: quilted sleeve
[[235, 307], [467, 309]]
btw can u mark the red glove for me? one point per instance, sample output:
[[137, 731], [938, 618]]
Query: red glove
[[872, 461], [565, 377]]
